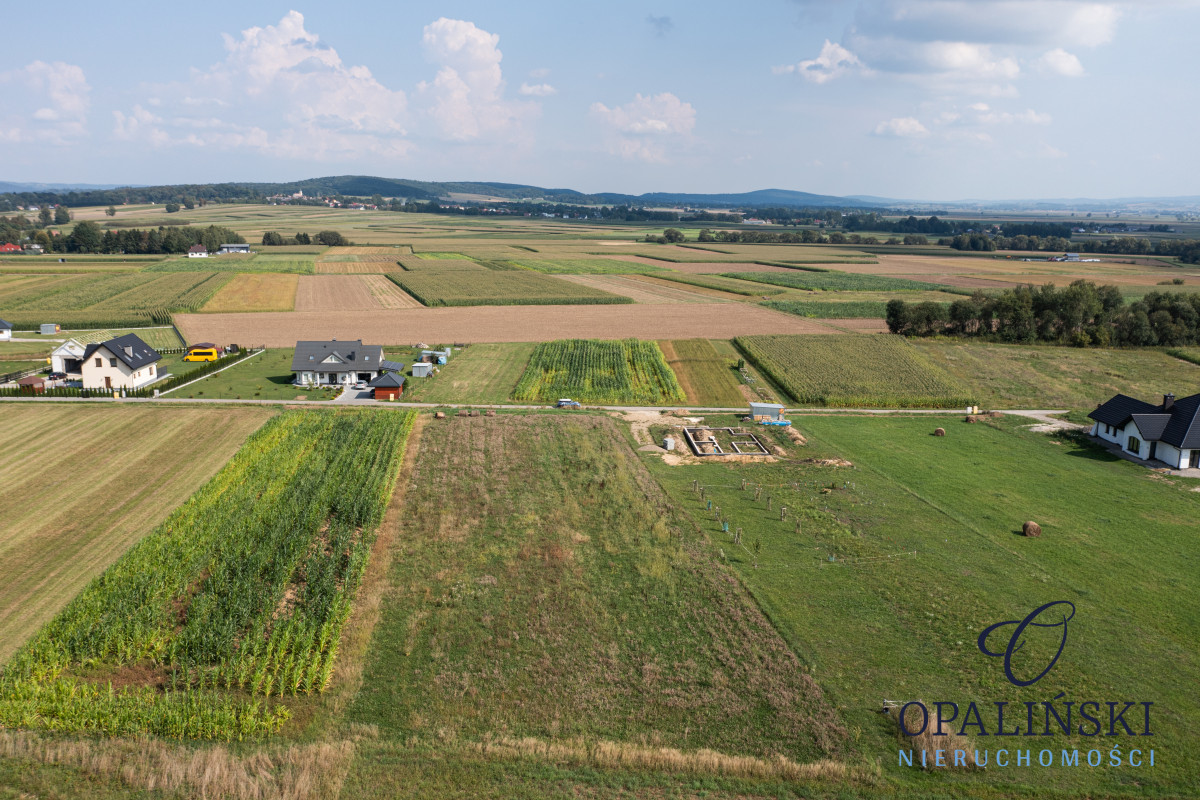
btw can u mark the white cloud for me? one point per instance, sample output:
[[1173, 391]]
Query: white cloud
[[280, 92], [466, 99], [540, 72], [59, 96], [1050, 151], [1026, 117], [832, 62], [537, 90], [645, 126], [1060, 62], [901, 128]]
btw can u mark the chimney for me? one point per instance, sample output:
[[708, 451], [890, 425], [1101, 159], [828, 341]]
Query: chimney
[[1168, 401]]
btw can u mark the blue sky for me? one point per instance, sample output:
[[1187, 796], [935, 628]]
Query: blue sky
[[921, 99]]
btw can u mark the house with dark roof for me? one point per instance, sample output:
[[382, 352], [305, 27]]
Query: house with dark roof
[[125, 362], [335, 363], [387, 386], [5, 331], [1168, 432]]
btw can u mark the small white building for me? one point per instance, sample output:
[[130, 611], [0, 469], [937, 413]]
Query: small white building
[[197, 251], [1166, 432], [125, 362], [5, 331], [233, 248], [67, 358]]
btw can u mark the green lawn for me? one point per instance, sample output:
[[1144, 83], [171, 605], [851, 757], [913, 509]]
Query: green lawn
[[262, 377], [480, 373], [883, 583], [707, 378]]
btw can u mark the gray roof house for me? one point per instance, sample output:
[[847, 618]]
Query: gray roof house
[[5, 330], [125, 362], [1168, 432], [333, 363]]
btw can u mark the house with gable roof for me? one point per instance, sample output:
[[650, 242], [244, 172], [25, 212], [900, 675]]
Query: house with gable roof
[[335, 363], [125, 362], [1168, 432]]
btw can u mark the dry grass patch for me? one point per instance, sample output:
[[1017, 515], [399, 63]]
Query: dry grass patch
[[259, 291], [335, 293]]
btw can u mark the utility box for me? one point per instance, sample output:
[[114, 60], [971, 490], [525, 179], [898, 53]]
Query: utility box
[[50, 327], [668, 443]]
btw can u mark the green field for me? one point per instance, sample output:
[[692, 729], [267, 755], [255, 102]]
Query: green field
[[491, 288], [882, 585], [297, 263], [854, 370], [558, 598], [1017, 376], [830, 281], [744, 288], [245, 587], [587, 266], [480, 373], [599, 371], [104, 300], [707, 378], [853, 309]]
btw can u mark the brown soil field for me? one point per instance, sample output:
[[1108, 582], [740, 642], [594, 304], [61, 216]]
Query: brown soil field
[[704, 291], [647, 292], [255, 291], [365, 251], [334, 293], [388, 294], [866, 325], [497, 324], [354, 267], [909, 266], [66, 513]]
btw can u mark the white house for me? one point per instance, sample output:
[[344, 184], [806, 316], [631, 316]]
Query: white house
[[233, 248], [1167, 432], [125, 362], [335, 363], [5, 331], [68, 358], [197, 251]]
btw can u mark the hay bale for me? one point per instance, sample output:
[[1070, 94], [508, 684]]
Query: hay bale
[[940, 432], [971, 418], [491, 412], [1031, 528], [463, 413], [439, 415]]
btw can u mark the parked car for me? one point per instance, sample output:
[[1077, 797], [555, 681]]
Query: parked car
[[58, 376], [567, 402], [360, 385]]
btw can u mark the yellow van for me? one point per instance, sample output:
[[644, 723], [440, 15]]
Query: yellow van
[[205, 352]]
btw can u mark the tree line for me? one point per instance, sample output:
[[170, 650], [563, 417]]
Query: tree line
[[327, 238], [88, 237], [1082, 314]]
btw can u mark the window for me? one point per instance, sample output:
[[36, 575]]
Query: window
[[151, 370], [1134, 445], [99, 361], [112, 362]]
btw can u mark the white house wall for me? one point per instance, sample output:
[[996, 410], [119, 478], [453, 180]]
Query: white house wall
[[121, 376]]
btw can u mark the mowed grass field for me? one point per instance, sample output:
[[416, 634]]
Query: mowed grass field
[[82, 484], [551, 614], [883, 584], [854, 370], [706, 377], [262, 291], [481, 373]]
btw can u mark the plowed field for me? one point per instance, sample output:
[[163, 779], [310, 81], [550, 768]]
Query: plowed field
[[497, 324], [334, 293], [642, 292]]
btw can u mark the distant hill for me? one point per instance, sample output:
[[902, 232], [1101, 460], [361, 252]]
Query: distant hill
[[6, 187]]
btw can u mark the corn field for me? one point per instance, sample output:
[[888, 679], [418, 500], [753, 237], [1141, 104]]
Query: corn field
[[238, 597], [854, 370], [599, 371], [109, 300]]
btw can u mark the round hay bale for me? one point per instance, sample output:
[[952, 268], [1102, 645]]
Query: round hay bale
[[1031, 528], [972, 418], [940, 432], [439, 415]]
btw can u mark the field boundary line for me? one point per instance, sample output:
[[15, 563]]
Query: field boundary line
[[209, 375]]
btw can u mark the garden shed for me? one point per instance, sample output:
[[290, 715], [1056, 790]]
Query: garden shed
[[387, 386], [422, 369], [766, 411]]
